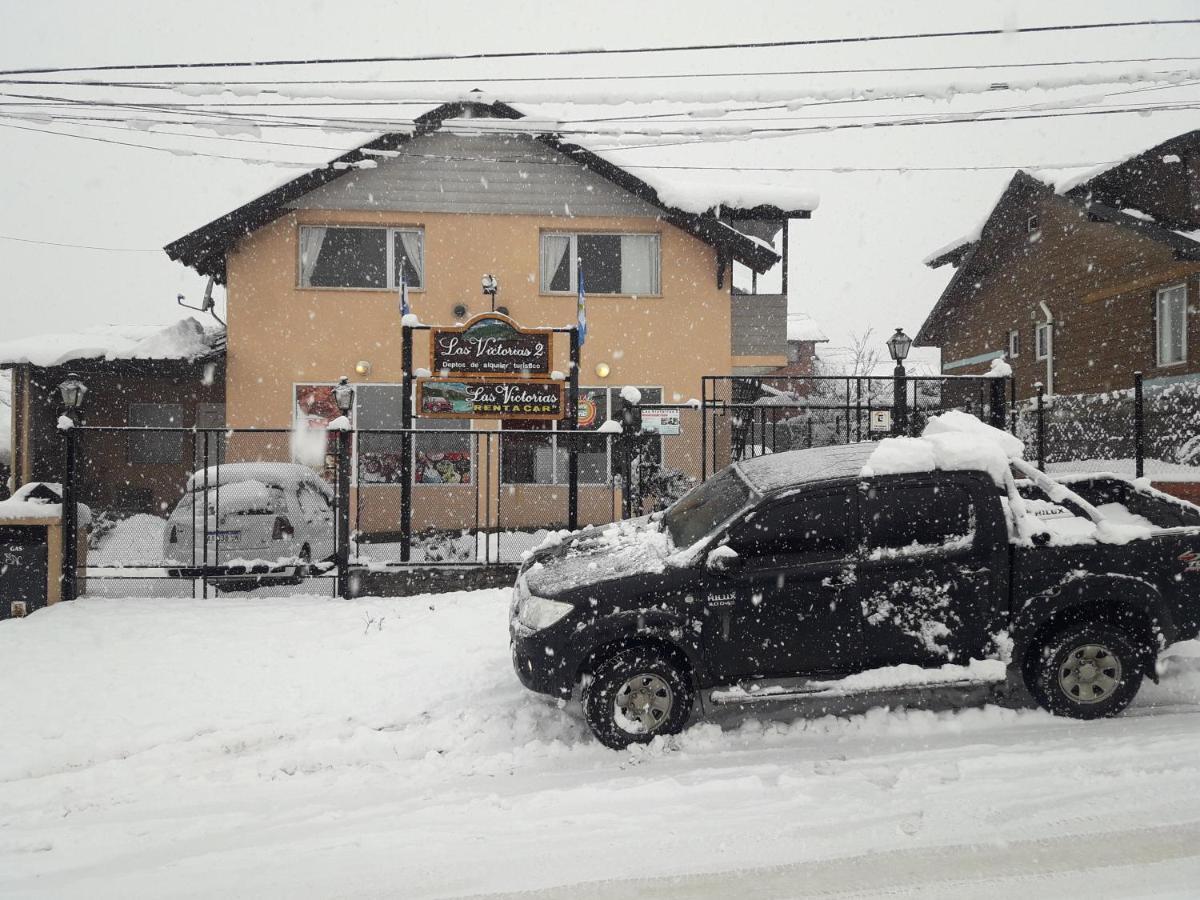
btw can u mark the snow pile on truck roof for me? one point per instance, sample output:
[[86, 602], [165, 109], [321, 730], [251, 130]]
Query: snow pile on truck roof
[[953, 441]]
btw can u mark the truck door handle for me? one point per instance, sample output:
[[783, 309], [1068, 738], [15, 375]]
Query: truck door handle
[[842, 579]]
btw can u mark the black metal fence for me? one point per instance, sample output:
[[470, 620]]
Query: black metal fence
[[746, 416], [201, 511], [1150, 429]]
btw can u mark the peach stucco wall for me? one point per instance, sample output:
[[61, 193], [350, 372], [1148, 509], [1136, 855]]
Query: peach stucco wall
[[280, 334]]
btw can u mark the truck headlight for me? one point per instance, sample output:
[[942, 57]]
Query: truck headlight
[[536, 613]]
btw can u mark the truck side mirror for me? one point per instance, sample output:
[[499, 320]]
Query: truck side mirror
[[723, 559]]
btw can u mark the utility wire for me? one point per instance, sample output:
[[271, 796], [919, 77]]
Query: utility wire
[[9, 237], [682, 48], [749, 134], [486, 79]]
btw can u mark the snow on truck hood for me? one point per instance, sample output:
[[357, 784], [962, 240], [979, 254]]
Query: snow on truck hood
[[567, 561]]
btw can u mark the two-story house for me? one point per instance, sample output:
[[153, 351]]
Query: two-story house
[[312, 270], [1080, 284]]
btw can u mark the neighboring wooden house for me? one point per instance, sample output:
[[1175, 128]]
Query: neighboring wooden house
[[152, 375], [1081, 285], [312, 270], [803, 335]]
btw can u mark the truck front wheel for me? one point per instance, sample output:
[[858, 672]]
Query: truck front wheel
[[634, 695], [1087, 671]]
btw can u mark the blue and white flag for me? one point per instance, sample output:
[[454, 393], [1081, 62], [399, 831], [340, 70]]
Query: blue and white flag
[[581, 308], [404, 310]]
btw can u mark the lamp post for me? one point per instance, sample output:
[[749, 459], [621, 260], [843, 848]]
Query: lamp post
[[72, 391], [343, 397], [898, 346], [490, 288]]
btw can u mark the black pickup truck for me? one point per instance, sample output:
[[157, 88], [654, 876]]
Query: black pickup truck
[[794, 576]]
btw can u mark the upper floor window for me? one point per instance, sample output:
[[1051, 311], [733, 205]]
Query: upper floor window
[[611, 263], [1042, 338], [1014, 344], [360, 257], [1170, 316]]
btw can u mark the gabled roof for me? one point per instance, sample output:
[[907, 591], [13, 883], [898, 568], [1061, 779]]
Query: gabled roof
[[965, 251], [204, 249]]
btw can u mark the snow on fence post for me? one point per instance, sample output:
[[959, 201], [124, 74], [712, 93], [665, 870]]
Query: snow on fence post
[[1139, 428]]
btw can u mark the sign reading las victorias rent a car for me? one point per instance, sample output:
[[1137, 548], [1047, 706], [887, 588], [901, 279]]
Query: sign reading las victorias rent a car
[[445, 398], [489, 345]]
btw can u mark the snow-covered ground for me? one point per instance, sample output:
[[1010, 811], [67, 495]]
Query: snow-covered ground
[[305, 747]]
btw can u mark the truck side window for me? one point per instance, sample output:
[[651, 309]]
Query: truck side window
[[808, 523], [928, 516]]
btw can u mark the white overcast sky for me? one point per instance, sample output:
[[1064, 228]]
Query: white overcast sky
[[856, 263]]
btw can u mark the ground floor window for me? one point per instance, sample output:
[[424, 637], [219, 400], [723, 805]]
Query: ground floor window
[[155, 447], [437, 458], [541, 456]]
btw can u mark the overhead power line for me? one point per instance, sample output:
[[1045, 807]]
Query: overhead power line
[[632, 76], [614, 51], [9, 237]]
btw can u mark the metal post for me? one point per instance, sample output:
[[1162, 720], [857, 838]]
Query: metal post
[[704, 428], [899, 401], [204, 531], [1041, 425], [1139, 427], [1012, 404], [344, 455], [70, 520], [572, 424], [998, 414], [406, 446]]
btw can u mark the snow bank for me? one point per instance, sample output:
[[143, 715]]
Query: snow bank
[[186, 339], [297, 747]]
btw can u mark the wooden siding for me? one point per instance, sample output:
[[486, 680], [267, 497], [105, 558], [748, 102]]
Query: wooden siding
[[1099, 281], [508, 174], [759, 325]]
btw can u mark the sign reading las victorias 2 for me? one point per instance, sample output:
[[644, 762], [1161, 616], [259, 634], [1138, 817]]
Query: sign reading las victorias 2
[[489, 345]]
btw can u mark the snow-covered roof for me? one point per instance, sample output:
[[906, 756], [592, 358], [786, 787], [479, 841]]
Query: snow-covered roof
[[803, 327], [692, 203], [186, 339]]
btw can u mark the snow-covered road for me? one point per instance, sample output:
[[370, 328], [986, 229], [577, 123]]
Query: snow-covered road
[[307, 747]]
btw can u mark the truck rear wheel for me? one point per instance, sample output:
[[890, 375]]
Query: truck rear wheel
[[634, 695], [1087, 671]]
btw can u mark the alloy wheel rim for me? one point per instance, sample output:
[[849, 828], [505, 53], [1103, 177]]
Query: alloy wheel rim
[[644, 701], [1089, 674]]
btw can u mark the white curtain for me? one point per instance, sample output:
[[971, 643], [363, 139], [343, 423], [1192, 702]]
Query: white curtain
[[410, 249], [554, 249], [311, 239], [639, 264]]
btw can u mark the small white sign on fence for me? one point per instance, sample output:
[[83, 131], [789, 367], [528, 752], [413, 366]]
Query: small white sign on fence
[[660, 421], [881, 420]]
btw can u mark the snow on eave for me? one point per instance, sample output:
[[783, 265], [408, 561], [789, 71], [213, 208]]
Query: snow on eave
[[803, 327], [186, 340]]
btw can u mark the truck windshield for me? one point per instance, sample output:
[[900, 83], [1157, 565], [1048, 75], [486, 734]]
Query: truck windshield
[[705, 507]]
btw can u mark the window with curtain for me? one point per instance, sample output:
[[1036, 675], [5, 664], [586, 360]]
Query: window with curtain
[[353, 257], [1171, 325], [611, 263]]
